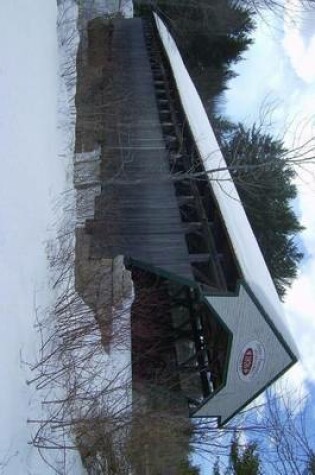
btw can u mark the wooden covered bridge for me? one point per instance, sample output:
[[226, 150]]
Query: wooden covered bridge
[[204, 325]]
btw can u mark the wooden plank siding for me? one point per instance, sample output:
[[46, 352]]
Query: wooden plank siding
[[137, 213], [151, 207]]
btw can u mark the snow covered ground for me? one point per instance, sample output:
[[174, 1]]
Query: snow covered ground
[[37, 124], [35, 164]]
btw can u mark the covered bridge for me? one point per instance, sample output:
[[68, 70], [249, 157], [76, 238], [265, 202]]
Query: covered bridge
[[215, 327]]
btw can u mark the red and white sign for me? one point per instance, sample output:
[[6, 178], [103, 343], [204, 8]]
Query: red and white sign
[[251, 360]]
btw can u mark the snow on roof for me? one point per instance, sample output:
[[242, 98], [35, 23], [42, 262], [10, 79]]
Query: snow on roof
[[245, 246]]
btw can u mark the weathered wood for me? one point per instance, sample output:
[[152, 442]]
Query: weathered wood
[[150, 207], [192, 227], [137, 213], [199, 257], [184, 199]]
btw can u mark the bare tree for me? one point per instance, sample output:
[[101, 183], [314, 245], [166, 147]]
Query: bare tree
[[280, 425], [277, 7]]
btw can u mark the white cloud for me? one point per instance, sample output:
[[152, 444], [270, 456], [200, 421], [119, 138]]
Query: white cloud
[[300, 309], [276, 88], [299, 48], [300, 301], [284, 61]]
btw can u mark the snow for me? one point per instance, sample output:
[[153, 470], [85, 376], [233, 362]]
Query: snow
[[34, 172], [28, 89], [246, 249], [38, 218], [37, 137]]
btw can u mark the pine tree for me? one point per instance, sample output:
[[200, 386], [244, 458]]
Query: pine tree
[[246, 461], [187, 468], [216, 468], [264, 180], [311, 464]]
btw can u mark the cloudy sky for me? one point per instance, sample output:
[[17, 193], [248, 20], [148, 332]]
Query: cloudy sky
[[278, 75]]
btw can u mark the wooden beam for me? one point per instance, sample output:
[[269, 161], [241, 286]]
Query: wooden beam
[[199, 257], [185, 199], [192, 227]]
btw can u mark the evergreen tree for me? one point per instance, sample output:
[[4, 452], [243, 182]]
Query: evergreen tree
[[216, 468], [246, 461], [211, 35], [264, 180], [311, 465], [187, 468]]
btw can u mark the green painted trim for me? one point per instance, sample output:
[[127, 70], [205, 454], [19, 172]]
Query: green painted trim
[[221, 422], [263, 389], [228, 354], [223, 293], [270, 322], [129, 261], [203, 298], [261, 309], [277, 334]]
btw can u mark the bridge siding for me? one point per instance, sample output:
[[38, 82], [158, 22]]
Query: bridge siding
[[137, 213]]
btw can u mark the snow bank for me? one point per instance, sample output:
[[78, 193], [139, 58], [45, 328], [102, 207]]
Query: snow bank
[[244, 243], [28, 117], [37, 133], [37, 136]]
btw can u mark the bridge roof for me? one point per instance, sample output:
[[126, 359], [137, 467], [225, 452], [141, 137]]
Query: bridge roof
[[243, 241]]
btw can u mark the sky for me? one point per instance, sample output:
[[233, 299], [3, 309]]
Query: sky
[[277, 75], [280, 66]]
